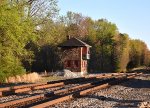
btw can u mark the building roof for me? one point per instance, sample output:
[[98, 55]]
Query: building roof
[[74, 42]]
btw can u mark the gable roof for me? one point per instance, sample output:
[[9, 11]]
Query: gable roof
[[74, 42]]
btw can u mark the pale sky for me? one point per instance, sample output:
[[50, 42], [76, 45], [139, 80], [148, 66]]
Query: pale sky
[[130, 16]]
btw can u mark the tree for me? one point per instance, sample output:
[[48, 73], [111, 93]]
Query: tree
[[120, 54], [138, 53], [105, 32], [42, 11], [76, 24], [15, 32], [47, 56]]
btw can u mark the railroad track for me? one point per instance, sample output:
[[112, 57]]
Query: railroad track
[[31, 87], [91, 84]]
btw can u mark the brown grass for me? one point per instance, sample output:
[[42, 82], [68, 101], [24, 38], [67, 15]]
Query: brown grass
[[29, 78]]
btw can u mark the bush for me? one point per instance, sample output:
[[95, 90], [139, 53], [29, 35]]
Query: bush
[[10, 67], [2, 77]]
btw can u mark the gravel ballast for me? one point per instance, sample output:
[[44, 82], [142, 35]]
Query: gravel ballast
[[134, 93], [32, 93]]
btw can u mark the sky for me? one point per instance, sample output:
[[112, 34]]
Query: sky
[[130, 16]]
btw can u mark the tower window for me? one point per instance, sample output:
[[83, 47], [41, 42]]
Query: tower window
[[69, 63], [76, 63]]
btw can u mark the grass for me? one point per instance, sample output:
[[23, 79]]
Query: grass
[[50, 78], [32, 78], [26, 78]]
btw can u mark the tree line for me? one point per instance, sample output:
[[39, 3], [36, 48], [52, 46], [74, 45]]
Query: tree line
[[31, 30]]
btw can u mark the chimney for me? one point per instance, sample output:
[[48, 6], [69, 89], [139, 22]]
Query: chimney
[[68, 37]]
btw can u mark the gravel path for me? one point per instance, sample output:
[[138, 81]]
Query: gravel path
[[132, 94]]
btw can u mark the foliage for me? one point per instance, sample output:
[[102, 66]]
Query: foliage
[[139, 54], [120, 53], [15, 32]]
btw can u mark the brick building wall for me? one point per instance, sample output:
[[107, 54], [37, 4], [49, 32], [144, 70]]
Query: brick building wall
[[73, 60]]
